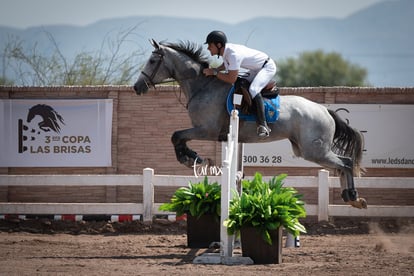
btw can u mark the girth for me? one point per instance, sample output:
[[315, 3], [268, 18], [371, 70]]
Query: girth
[[242, 85]]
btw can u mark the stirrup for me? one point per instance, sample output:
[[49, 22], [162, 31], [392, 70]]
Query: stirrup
[[263, 131]]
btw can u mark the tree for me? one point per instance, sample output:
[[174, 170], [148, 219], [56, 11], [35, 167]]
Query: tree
[[315, 68], [5, 81], [29, 66]]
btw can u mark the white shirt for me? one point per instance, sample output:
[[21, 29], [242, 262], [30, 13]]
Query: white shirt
[[237, 56]]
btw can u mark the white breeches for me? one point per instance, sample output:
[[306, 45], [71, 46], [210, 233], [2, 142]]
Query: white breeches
[[261, 78]]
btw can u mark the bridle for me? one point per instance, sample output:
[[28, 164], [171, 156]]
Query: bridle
[[150, 78]]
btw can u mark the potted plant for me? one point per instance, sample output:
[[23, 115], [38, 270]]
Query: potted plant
[[259, 213], [201, 202]]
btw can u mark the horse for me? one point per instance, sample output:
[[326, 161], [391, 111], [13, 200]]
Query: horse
[[316, 134], [50, 118]]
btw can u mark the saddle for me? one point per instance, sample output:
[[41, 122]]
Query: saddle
[[270, 91]]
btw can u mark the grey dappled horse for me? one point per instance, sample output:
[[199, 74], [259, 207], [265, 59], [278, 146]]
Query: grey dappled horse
[[316, 133]]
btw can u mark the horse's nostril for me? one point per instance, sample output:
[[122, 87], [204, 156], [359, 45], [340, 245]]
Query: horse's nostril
[[140, 88], [136, 89]]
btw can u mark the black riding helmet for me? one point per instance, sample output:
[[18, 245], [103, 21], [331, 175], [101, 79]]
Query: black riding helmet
[[216, 37]]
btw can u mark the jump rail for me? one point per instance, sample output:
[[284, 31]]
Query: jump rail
[[148, 180]]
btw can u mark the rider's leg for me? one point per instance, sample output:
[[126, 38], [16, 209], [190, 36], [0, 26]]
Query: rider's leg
[[261, 79], [262, 129]]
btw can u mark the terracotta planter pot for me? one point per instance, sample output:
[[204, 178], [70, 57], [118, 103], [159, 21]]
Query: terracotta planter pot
[[203, 231], [255, 247]]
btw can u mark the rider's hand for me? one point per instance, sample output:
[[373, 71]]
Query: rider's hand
[[208, 72]]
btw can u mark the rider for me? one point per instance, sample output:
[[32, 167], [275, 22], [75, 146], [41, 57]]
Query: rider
[[260, 67]]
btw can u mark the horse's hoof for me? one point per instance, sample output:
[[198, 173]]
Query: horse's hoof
[[188, 162], [209, 162], [360, 203]]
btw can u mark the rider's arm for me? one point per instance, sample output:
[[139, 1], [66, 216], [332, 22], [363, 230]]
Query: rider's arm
[[229, 77]]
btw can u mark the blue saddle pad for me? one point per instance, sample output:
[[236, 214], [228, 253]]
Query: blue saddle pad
[[271, 108]]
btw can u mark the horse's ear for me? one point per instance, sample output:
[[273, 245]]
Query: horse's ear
[[155, 44]]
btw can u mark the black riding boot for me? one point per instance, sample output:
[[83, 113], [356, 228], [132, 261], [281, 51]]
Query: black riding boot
[[262, 129]]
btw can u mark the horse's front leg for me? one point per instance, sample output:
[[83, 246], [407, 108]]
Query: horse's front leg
[[184, 154], [44, 127]]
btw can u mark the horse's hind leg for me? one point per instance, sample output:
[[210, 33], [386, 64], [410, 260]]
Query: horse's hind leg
[[345, 166], [349, 193]]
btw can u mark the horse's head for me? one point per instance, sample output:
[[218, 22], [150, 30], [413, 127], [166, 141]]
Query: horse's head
[[177, 61], [32, 113], [50, 118], [155, 70]]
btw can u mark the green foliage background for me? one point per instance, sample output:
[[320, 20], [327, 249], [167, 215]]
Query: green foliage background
[[312, 69]]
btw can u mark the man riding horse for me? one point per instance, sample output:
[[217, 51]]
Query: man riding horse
[[261, 70], [316, 133]]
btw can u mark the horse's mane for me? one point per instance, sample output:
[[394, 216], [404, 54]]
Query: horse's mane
[[191, 49]]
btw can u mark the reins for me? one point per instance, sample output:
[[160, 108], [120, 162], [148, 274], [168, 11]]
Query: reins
[[179, 98], [185, 105]]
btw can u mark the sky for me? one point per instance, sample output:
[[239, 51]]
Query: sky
[[29, 13]]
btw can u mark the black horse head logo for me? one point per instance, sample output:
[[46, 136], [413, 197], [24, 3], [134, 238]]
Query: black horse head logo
[[49, 116]]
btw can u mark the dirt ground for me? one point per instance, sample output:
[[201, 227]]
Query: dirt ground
[[339, 247]]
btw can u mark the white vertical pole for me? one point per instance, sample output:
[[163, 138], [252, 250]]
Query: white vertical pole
[[323, 195], [148, 193], [225, 242], [290, 240], [235, 147], [228, 183]]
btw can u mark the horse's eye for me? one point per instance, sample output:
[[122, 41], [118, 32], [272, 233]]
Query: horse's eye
[[155, 59]]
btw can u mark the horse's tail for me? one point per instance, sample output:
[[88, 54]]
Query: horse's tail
[[348, 141]]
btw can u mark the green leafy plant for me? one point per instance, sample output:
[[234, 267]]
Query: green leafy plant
[[266, 206], [197, 199]]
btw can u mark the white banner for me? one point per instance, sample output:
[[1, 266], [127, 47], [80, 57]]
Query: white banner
[[55, 133], [388, 132]]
